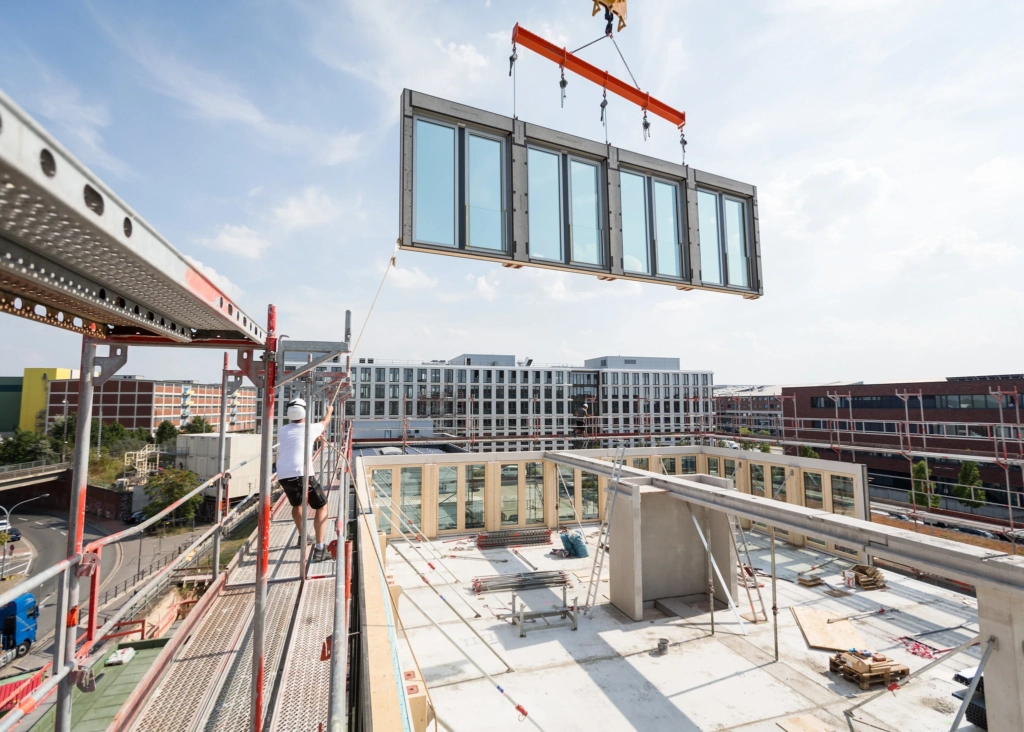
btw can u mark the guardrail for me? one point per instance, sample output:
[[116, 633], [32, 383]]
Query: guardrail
[[36, 467]]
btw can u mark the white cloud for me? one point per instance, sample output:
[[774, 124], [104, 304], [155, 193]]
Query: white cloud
[[312, 207], [483, 286], [226, 286], [238, 240], [412, 279]]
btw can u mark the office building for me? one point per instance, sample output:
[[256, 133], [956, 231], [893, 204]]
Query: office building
[[10, 404]]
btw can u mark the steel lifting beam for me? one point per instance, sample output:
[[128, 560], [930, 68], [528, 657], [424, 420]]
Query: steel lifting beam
[[565, 59]]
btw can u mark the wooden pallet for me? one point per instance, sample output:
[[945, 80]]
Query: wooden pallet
[[880, 673]]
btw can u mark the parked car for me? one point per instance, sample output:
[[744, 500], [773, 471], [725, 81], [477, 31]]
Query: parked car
[[13, 533], [899, 516], [134, 518], [976, 532]]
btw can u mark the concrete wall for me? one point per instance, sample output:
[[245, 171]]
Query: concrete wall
[[198, 453], [625, 566]]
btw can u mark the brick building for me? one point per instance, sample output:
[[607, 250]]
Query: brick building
[[137, 402]]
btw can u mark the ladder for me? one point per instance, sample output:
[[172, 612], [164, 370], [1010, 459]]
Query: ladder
[[747, 573], [594, 587]]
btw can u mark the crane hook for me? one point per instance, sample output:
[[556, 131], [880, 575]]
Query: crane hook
[[563, 83], [647, 127], [604, 104], [512, 59], [682, 143]]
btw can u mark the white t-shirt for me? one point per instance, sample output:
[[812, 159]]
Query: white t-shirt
[[289, 449]]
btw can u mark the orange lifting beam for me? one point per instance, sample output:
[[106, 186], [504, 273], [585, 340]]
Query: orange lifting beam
[[563, 58]]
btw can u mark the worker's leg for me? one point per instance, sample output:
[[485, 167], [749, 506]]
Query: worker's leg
[[320, 524], [297, 518], [293, 490]]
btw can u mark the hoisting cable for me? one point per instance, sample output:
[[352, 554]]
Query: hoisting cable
[[391, 263], [604, 113], [512, 72], [590, 44], [624, 62]]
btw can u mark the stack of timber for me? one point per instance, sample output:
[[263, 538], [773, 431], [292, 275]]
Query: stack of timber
[[866, 668], [869, 578], [520, 582], [513, 537]]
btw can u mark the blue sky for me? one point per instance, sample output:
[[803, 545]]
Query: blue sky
[[261, 139]]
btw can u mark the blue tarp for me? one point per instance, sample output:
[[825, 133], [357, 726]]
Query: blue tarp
[[573, 543]]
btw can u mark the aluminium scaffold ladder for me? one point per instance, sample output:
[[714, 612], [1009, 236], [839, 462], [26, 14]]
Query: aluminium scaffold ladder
[[593, 588], [747, 572]]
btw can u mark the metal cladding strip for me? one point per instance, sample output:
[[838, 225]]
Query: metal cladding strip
[[230, 712], [943, 557], [179, 700], [59, 210], [305, 686]]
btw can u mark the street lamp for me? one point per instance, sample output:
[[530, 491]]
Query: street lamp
[[64, 447], [3, 566]]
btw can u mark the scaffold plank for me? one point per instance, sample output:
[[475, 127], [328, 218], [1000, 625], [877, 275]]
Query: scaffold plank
[[283, 550], [305, 684], [177, 704]]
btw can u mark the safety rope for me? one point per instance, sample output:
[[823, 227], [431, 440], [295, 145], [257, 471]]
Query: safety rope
[[589, 44], [624, 62], [391, 263]]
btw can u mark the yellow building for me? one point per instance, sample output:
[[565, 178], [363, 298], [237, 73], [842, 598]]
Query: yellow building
[[34, 393]]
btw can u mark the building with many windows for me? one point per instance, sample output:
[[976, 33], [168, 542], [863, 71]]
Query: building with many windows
[[136, 402], [496, 402]]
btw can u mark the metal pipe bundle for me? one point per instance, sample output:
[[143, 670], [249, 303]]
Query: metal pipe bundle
[[513, 537], [520, 582]]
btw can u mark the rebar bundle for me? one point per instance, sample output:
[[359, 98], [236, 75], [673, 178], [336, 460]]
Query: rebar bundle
[[513, 537], [520, 582]]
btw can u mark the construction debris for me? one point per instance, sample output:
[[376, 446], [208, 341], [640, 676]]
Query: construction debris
[[869, 578], [516, 537], [866, 668], [520, 582]]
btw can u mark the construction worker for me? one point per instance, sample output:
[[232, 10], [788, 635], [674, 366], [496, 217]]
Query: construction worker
[[581, 414], [291, 439]]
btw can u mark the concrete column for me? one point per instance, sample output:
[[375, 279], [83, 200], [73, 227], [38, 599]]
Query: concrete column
[[1002, 615], [625, 583]]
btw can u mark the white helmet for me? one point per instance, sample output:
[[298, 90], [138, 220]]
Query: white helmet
[[296, 410]]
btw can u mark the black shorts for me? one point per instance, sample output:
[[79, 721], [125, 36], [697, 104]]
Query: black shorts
[[293, 489]]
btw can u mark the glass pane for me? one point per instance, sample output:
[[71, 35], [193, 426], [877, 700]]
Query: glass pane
[[666, 228], [566, 494], [433, 216], [779, 483], [634, 223], [474, 496], [642, 463], [736, 243], [447, 498], [712, 466], [381, 480], [757, 480], [588, 495], [707, 226], [543, 181], [842, 495], [509, 495], [812, 491], [668, 466], [484, 194], [535, 493], [412, 497], [689, 465], [730, 468], [585, 213]]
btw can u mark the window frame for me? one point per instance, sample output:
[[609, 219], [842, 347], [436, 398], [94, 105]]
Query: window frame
[[602, 211], [455, 176], [503, 156], [562, 217]]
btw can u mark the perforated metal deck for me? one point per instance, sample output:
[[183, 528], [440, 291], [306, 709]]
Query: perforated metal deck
[[231, 712], [282, 559], [179, 702], [306, 684]]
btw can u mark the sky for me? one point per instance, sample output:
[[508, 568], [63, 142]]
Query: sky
[[261, 138]]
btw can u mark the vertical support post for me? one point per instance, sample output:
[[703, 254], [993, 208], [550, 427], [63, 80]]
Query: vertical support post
[[775, 600], [263, 531], [710, 570], [94, 596], [68, 609], [221, 444], [306, 450], [337, 720]]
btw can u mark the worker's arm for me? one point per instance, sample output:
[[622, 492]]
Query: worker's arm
[[327, 417]]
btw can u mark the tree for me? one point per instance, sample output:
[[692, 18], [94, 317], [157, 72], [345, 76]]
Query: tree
[[968, 489], [197, 426], [141, 434], [166, 432], [118, 448], [923, 489], [167, 487], [112, 432], [765, 447], [808, 452], [746, 444], [25, 447]]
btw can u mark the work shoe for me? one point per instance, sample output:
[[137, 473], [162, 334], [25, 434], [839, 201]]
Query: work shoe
[[318, 555]]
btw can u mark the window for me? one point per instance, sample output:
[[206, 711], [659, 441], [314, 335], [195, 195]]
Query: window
[[668, 465], [757, 480], [668, 249], [421, 375], [393, 375], [584, 213], [534, 493], [381, 485], [378, 391], [730, 468], [710, 247], [812, 491], [406, 374], [778, 483], [722, 222], [544, 182], [364, 409], [588, 495], [484, 195], [642, 463], [364, 374], [474, 496], [566, 494], [411, 482], [433, 219], [688, 464], [364, 391], [843, 501], [447, 498], [736, 242], [634, 223], [509, 495], [712, 466]]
